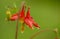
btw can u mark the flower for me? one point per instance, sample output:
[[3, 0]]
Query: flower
[[24, 19], [20, 15], [30, 21]]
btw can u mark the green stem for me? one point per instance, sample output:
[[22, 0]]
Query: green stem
[[37, 34], [44, 31], [16, 35]]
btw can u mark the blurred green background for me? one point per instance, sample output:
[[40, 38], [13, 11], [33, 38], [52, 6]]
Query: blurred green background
[[45, 12]]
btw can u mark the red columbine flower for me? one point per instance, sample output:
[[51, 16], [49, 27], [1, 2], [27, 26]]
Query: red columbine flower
[[30, 21], [20, 15], [24, 19]]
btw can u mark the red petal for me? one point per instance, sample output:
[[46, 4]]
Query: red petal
[[28, 22], [34, 23], [28, 13], [22, 13], [14, 17], [31, 19]]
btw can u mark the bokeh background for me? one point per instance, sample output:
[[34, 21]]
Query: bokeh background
[[45, 12]]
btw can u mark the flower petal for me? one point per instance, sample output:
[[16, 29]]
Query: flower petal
[[28, 13], [31, 19], [36, 25], [22, 13], [14, 17], [29, 23]]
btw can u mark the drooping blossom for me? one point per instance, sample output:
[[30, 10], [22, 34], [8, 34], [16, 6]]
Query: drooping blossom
[[24, 19], [30, 21]]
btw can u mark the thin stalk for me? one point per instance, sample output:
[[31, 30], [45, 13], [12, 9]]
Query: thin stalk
[[16, 35], [37, 33]]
